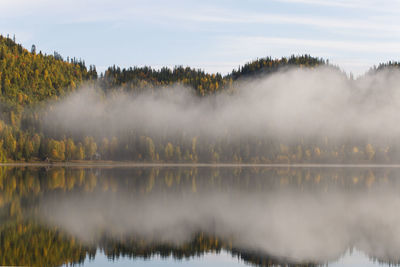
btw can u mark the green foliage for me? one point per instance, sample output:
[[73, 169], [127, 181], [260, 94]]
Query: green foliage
[[269, 65], [137, 79]]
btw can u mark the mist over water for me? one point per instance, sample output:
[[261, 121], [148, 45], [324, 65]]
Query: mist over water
[[290, 103], [310, 223]]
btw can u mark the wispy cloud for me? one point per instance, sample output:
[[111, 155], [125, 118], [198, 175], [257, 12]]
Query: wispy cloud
[[350, 46], [390, 6], [106, 11], [314, 21], [338, 3], [348, 29]]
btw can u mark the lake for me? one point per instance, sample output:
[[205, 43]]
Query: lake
[[200, 215]]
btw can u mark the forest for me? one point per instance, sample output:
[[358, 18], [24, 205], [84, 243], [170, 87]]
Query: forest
[[31, 82]]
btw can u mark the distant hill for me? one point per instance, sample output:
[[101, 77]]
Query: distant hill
[[269, 65], [28, 77], [136, 78]]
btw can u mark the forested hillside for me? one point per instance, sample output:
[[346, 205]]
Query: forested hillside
[[269, 65], [137, 79], [31, 82], [28, 77], [204, 83]]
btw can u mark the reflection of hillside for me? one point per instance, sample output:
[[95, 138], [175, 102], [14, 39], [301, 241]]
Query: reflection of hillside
[[22, 186], [28, 244], [22, 190], [199, 245], [33, 245]]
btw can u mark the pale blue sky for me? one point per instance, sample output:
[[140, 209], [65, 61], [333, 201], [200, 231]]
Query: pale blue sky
[[215, 35]]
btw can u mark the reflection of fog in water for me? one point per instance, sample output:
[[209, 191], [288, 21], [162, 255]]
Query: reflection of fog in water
[[312, 222]]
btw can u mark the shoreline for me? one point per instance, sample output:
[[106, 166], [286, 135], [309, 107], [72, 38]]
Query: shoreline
[[117, 164]]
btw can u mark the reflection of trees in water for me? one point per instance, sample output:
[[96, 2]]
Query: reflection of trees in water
[[19, 183], [25, 243], [198, 246]]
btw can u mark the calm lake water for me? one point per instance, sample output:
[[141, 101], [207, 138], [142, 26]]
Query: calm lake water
[[199, 216]]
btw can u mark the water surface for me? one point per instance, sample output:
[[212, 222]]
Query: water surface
[[200, 215]]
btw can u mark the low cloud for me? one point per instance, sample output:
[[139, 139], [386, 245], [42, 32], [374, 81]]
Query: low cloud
[[294, 103]]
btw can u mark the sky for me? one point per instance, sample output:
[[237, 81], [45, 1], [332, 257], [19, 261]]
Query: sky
[[213, 35]]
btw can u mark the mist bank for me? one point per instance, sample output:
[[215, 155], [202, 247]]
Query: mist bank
[[292, 103], [295, 115]]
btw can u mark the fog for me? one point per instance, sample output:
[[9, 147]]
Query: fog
[[290, 103], [297, 225]]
